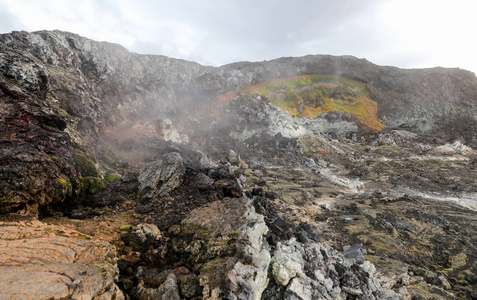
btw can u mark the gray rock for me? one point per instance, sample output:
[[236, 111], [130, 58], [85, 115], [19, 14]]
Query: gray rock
[[297, 291], [189, 286], [223, 227], [352, 291], [287, 262], [141, 233], [168, 290], [300, 269], [163, 176], [310, 163], [354, 253], [233, 157]]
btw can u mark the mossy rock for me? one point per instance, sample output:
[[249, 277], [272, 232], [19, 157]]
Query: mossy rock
[[65, 186], [85, 166], [111, 177], [108, 157], [91, 185]]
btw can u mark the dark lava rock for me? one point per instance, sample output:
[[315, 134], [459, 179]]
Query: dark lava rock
[[36, 164], [161, 177], [144, 209], [80, 214], [473, 295], [311, 232]]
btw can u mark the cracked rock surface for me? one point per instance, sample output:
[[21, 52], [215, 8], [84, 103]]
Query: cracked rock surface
[[39, 261]]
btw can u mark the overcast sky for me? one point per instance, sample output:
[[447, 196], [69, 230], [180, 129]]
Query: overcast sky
[[402, 33]]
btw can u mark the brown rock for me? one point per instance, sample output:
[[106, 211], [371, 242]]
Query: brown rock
[[39, 261]]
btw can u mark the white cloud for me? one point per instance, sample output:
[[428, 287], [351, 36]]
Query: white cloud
[[404, 33], [437, 32]]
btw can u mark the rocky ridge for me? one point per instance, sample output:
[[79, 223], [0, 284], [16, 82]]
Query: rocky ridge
[[236, 198]]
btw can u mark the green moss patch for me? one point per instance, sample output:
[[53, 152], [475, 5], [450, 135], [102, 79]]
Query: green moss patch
[[111, 177], [91, 185], [84, 166]]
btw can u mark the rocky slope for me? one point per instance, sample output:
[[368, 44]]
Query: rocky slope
[[86, 93], [241, 181]]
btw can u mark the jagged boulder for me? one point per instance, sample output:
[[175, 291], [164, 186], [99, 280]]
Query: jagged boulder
[[168, 290], [141, 233], [286, 265], [315, 271], [228, 245], [39, 261], [160, 177]]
